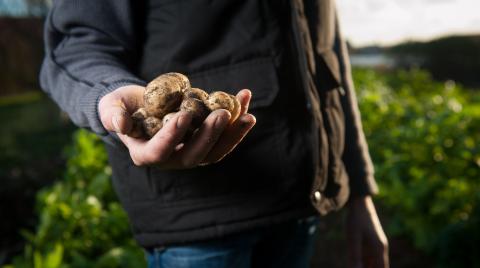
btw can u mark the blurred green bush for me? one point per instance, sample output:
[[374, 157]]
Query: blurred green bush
[[81, 223], [423, 138], [33, 134]]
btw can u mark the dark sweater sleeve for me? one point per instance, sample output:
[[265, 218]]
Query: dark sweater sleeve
[[91, 50], [356, 157]]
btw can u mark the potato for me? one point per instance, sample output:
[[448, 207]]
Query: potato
[[164, 94], [197, 109], [137, 127], [236, 110], [171, 92], [222, 100], [196, 93], [181, 79], [151, 125]]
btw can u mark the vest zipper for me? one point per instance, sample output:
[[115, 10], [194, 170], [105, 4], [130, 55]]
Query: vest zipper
[[302, 62]]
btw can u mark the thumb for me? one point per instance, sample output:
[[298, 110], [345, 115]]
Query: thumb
[[114, 116]]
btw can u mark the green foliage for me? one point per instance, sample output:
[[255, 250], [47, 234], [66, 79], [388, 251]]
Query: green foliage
[[423, 137], [32, 135], [81, 222]]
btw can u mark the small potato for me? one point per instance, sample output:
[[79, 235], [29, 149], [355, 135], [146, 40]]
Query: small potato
[[137, 127], [181, 79], [171, 92], [195, 93], [197, 109], [222, 100], [236, 109], [165, 93], [151, 125]]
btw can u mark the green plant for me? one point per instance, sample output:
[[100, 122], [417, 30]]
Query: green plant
[[81, 222], [423, 137], [32, 137]]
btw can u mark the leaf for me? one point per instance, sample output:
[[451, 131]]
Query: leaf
[[54, 258]]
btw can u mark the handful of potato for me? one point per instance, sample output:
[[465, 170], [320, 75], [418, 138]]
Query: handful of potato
[[170, 93]]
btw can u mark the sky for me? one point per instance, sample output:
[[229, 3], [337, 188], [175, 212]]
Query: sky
[[386, 22], [12, 7], [20, 8]]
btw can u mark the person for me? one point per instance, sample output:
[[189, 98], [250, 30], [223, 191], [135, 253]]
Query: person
[[232, 195]]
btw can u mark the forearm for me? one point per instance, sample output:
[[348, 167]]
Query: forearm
[[86, 57], [80, 98]]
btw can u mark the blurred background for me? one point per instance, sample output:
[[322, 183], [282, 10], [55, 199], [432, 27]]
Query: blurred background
[[416, 69]]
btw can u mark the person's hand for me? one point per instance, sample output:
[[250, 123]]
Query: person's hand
[[367, 243], [209, 144]]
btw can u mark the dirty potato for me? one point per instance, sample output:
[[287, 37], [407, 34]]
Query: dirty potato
[[151, 125], [137, 123], [195, 93], [197, 109], [164, 94], [170, 93], [222, 100]]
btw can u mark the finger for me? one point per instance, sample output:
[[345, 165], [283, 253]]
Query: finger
[[159, 148], [204, 139], [114, 117], [244, 96], [229, 139]]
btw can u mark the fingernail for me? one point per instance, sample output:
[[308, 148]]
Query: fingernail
[[183, 121], [247, 122], [115, 124]]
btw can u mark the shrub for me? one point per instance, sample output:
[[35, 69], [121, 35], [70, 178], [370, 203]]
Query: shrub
[[30, 158], [423, 137], [81, 222]]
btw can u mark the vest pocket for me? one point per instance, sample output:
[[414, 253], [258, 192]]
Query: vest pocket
[[259, 75], [254, 165]]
